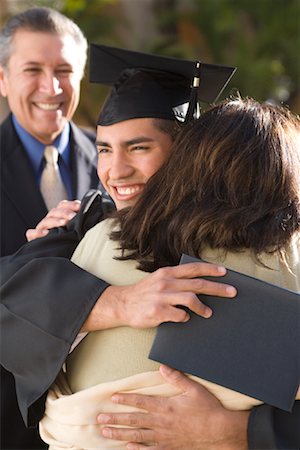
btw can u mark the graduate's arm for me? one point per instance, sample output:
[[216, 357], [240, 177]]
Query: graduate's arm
[[39, 323], [41, 313]]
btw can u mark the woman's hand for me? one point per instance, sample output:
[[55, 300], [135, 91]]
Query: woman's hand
[[192, 420]]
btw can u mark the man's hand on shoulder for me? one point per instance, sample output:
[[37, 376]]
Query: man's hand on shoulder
[[56, 217]]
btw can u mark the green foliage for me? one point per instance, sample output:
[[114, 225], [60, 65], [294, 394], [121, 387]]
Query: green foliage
[[93, 16], [260, 37], [97, 20]]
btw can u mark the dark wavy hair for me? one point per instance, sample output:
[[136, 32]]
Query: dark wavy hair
[[232, 181]]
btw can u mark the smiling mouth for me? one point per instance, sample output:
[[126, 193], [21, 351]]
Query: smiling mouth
[[128, 190], [48, 106]]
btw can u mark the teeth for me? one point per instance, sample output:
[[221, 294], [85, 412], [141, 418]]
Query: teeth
[[128, 190], [48, 106]]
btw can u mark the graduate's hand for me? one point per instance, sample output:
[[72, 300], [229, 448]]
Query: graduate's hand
[[155, 298], [56, 217], [194, 419]]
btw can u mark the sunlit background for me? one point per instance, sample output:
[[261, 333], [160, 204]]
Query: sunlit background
[[260, 37]]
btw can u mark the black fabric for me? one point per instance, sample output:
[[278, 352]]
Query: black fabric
[[42, 332], [147, 85], [273, 429], [22, 207], [14, 434], [262, 433], [61, 241], [138, 94], [40, 320], [250, 344]]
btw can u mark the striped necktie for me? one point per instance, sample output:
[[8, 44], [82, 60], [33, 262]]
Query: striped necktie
[[51, 186]]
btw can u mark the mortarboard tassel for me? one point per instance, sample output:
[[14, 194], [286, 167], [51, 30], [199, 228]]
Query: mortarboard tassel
[[193, 102]]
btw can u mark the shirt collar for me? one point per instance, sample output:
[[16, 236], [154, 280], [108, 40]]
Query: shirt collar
[[35, 149]]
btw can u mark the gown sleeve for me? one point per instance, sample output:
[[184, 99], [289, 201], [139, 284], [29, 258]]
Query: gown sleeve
[[45, 299]]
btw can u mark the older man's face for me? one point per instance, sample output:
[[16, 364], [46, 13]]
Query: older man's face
[[42, 82]]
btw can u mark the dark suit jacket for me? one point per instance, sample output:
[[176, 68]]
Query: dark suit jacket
[[22, 207]]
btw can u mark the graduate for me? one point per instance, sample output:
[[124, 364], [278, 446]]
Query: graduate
[[115, 359]]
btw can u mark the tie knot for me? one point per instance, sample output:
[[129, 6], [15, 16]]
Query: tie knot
[[51, 154]]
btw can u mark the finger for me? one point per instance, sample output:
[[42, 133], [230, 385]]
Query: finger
[[68, 210], [190, 299], [32, 234], [145, 402], [51, 222], [195, 269], [71, 202], [179, 380], [135, 446], [202, 286], [128, 434], [191, 302], [59, 213], [63, 213], [178, 315], [73, 205], [134, 419], [173, 279]]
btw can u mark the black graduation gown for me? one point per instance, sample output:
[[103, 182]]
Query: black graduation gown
[[41, 313]]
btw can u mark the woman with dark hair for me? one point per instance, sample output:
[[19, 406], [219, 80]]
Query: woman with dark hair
[[229, 193]]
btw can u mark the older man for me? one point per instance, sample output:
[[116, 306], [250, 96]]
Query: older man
[[42, 60]]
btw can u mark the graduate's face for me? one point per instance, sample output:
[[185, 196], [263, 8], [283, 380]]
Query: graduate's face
[[129, 153], [42, 82]]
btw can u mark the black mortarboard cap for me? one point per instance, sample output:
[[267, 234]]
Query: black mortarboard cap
[[249, 345], [147, 85]]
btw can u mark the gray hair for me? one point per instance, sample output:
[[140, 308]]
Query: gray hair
[[45, 20]]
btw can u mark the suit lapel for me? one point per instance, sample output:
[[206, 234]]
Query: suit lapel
[[17, 177], [18, 181]]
